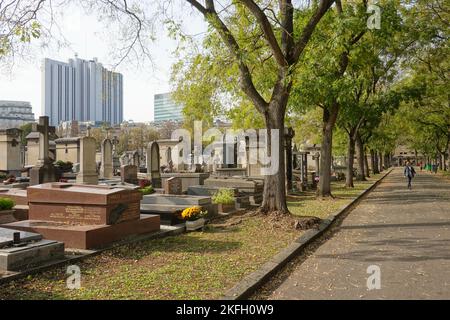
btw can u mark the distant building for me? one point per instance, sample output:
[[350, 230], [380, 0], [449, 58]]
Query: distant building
[[165, 109], [14, 114], [404, 153], [81, 90], [75, 128]]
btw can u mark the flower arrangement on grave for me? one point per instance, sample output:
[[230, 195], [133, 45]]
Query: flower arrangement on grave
[[64, 166], [145, 187], [193, 213], [223, 196], [144, 183], [147, 190], [6, 204]]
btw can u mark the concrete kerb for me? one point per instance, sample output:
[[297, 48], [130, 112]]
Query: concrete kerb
[[255, 280]]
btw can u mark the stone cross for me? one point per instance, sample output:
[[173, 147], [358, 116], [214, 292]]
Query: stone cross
[[44, 131], [108, 132], [88, 132]]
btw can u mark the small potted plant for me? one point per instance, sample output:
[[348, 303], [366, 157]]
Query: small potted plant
[[6, 210], [224, 198], [194, 217], [64, 166], [147, 190]]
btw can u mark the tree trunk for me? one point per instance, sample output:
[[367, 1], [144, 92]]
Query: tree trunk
[[351, 157], [329, 120], [366, 165], [372, 161], [376, 167], [448, 151], [361, 176], [380, 160], [274, 197]]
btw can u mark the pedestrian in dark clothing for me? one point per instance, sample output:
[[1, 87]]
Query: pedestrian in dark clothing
[[409, 173]]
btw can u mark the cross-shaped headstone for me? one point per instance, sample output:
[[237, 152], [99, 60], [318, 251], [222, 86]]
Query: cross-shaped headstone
[[44, 131], [88, 132], [108, 132]]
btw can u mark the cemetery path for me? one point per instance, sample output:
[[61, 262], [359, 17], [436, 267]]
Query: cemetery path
[[406, 233]]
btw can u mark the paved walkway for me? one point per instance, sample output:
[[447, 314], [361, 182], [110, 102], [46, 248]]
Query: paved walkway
[[406, 233]]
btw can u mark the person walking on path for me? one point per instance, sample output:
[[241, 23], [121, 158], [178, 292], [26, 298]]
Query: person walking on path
[[409, 173]]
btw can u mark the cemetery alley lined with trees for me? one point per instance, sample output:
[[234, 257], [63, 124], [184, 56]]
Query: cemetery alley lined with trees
[[358, 79]]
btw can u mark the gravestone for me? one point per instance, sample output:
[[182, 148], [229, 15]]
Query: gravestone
[[316, 158], [85, 216], [115, 156], [106, 169], [153, 167], [172, 186], [135, 159], [128, 174], [44, 171], [288, 136], [88, 166]]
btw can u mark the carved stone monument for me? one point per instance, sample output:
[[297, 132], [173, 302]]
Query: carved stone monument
[[85, 216], [44, 171], [153, 167], [106, 169], [88, 166]]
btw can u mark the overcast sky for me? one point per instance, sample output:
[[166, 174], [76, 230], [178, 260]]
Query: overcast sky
[[85, 36]]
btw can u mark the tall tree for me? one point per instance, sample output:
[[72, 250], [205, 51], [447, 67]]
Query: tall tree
[[286, 39]]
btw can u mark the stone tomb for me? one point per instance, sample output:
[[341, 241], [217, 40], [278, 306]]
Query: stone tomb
[[85, 216], [10, 160], [21, 250], [250, 187], [187, 179], [242, 201], [167, 206]]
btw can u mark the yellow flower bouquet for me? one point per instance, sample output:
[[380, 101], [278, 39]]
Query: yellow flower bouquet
[[193, 213]]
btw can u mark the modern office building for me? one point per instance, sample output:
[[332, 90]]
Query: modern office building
[[81, 90], [165, 109], [14, 114]]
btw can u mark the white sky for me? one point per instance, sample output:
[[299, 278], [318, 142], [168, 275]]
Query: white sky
[[84, 33]]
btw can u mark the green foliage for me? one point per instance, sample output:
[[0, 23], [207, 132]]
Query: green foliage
[[223, 196], [26, 130], [17, 27], [147, 190], [6, 204]]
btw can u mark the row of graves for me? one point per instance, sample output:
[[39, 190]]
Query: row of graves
[[100, 201], [56, 211]]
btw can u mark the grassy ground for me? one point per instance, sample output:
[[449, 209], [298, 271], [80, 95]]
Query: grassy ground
[[198, 265], [307, 204]]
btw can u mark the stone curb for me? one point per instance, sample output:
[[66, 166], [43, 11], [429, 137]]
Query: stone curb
[[255, 280]]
